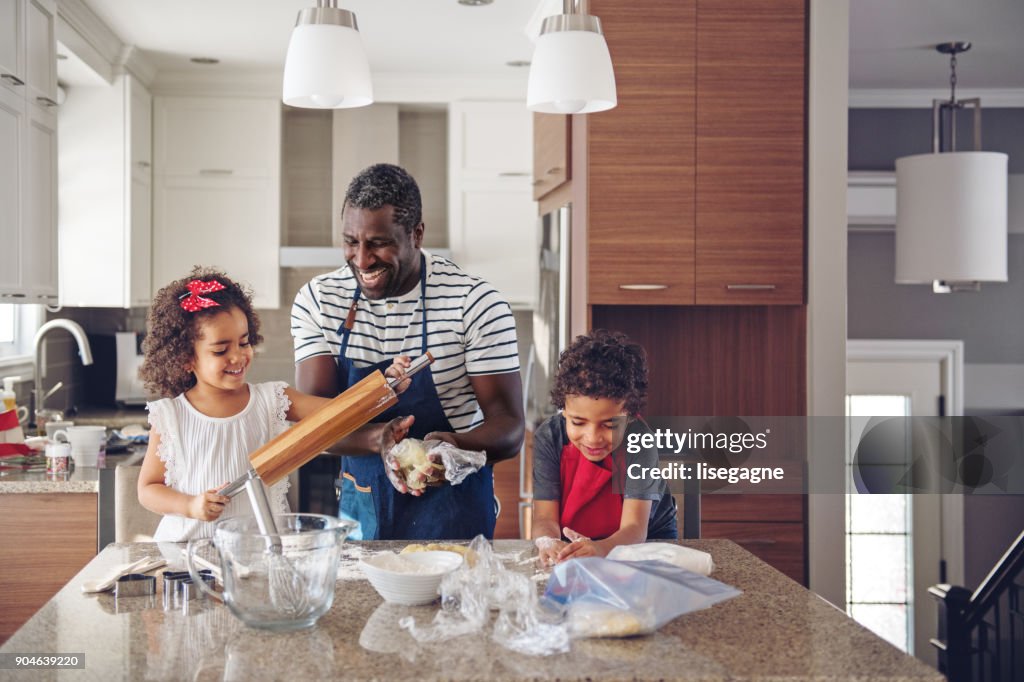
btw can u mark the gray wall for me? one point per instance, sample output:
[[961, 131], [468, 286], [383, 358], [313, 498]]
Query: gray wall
[[991, 323]]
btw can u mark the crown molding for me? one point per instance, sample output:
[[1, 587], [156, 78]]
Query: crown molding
[[134, 61], [922, 99], [89, 38]]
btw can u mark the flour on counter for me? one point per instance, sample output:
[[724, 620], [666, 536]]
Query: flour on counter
[[348, 563]]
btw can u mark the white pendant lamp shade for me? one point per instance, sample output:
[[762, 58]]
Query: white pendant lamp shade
[[326, 65], [571, 70], [951, 217]]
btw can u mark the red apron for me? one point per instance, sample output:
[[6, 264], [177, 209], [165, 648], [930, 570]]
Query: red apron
[[588, 504]]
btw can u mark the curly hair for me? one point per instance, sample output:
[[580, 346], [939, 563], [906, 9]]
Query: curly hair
[[602, 364], [384, 184], [171, 331]]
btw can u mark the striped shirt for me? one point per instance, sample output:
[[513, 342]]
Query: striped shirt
[[470, 330]]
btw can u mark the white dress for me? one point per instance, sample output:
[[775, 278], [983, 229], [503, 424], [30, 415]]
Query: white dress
[[201, 452]]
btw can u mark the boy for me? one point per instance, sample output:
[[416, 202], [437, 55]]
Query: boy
[[600, 388]]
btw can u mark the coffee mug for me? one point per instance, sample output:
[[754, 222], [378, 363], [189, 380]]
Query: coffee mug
[[86, 442], [53, 427]]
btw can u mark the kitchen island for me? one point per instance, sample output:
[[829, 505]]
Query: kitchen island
[[776, 629]]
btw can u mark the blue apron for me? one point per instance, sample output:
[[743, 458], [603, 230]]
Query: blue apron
[[441, 513]]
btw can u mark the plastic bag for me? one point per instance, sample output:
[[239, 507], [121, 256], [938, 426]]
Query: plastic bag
[[605, 598], [683, 557], [417, 463], [470, 593]]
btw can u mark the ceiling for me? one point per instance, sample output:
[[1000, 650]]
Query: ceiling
[[891, 41]]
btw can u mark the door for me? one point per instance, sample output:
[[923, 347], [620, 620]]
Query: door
[[900, 545]]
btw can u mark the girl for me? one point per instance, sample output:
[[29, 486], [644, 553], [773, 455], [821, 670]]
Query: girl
[[600, 388], [201, 333]]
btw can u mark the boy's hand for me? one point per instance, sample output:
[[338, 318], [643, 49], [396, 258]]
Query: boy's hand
[[548, 549], [579, 546], [397, 370], [208, 506]]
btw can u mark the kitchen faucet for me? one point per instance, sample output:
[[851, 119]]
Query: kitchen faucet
[[84, 351]]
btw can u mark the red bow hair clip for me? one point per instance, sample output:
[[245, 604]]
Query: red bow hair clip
[[194, 301]]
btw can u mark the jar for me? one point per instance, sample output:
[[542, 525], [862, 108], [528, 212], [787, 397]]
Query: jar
[[58, 459]]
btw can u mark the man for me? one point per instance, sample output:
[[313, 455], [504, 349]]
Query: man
[[392, 299]]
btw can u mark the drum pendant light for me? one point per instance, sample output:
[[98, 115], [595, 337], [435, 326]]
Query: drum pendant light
[[326, 65], [571, 70], [951, 206]]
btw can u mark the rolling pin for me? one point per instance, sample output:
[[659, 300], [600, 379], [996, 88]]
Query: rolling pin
[[345, 413]]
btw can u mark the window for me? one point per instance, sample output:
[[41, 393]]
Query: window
[[879, 543], [18, 325]]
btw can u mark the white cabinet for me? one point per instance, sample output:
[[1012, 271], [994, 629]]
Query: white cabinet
[[105, 177], [216, 190], [28, 162], [492, 228]]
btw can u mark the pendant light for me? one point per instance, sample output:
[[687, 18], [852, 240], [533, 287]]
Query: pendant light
[[951, 206], [571, 71], [326, 65]]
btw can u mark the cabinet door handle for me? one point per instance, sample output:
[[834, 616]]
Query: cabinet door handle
[[143, 164], [758, 542], [643, 287], [553, 170], [12, 79], [46, 101], [216, 171], [512, 174], [750, 287], [12, 296]]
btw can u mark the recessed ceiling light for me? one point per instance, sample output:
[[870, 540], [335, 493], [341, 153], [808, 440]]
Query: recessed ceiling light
[[204, 60], [475, 3], [518, 63]]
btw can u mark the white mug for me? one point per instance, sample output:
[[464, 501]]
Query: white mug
[[53, 427], [86, 442]]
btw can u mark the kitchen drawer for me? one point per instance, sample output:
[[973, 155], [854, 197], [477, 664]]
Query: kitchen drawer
[[728, 507], [781, 545]]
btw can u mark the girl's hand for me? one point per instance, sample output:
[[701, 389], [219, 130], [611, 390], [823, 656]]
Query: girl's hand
[[397, 370], [207, 506], [548, 549]]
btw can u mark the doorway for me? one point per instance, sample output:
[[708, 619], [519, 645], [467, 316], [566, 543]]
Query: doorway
[[900, 545]]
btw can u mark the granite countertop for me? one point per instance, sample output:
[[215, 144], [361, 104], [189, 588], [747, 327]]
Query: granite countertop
[[775, 629], [80, 480], [111, 417]]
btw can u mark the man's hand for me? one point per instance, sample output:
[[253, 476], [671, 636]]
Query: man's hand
[[207, 506]]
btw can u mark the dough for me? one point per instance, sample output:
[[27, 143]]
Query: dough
[[598, 622], [466, 552], [411, 456]]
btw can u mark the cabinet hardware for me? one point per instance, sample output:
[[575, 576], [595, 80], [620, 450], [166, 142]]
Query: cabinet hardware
[[12, 79], [12, 296], [643, 287], [46, 101], [512, 174], [143, 164], [553, 170], [758, 541], [216, 171], [538, 182], [750, 287]]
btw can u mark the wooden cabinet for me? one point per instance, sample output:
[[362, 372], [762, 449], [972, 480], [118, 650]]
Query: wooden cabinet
[[106, 216], [694, 183], [28, 166], [492, 217], [750, 151], [217, 190], [47, 538], [551, 137]]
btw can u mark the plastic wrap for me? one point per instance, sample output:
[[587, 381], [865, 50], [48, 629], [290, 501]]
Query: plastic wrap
[[420, 463], [683, 557], [604, 598], [470, 593]]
